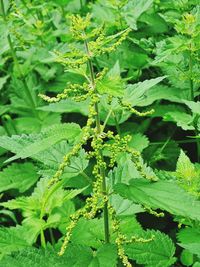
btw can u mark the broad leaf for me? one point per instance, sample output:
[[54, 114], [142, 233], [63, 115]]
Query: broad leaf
[[12, 239], [18, 176], [156, 253], [75, 256], [183, 120], [67, 106], [133, 10], [189, 238], [135, 93], [40, 142], [165, 195], [112, 83]]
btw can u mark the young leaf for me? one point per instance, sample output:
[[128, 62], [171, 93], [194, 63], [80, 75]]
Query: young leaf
[[112, 83], [185, 169]]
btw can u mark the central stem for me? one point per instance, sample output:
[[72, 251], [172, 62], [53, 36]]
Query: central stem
[[102, 170], [192, 99]]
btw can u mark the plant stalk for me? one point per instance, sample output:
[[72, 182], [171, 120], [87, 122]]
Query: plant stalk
[[102, 170], [14, 56], [192, 99], [42, 239], [191, 80]]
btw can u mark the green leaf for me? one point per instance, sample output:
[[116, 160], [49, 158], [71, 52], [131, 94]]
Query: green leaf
[[4, 109], [47, 258], [89, 233], [20, 176], [185, 169], [194, 106], [182, 120], [156, 253], [133, 10], [112, 83], [139, 142], [67, 106], [135, 93], [12, 239], [3, 80], [158, 92], [74, 256], [189, 238], [154, 24], [62, 2], [165, 195], [186, 258], [106, 256], [124, 207], [43, 141], [162, 156]]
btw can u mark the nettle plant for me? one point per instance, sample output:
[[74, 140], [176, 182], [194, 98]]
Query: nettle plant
[[94, 182], [104, 143]]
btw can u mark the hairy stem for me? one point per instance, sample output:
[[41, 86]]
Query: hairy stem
[[102, 170], [192, 99]]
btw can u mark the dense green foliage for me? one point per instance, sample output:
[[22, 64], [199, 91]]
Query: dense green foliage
[[99, 135]]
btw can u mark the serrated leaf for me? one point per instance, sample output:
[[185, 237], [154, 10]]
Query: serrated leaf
[[112, 83], [162, 155], [165, 195], [88, 232], [182, 120], [19, 176], [133, 10], [139, 142], [106, 256], [47, 258], [12, 239], [156, 253], [185, 168], [158, 92], [135, 93], [67, 106], [40, 142], [124, 207]]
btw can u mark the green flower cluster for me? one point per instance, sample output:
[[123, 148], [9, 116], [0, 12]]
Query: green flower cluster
[[94, 132]]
